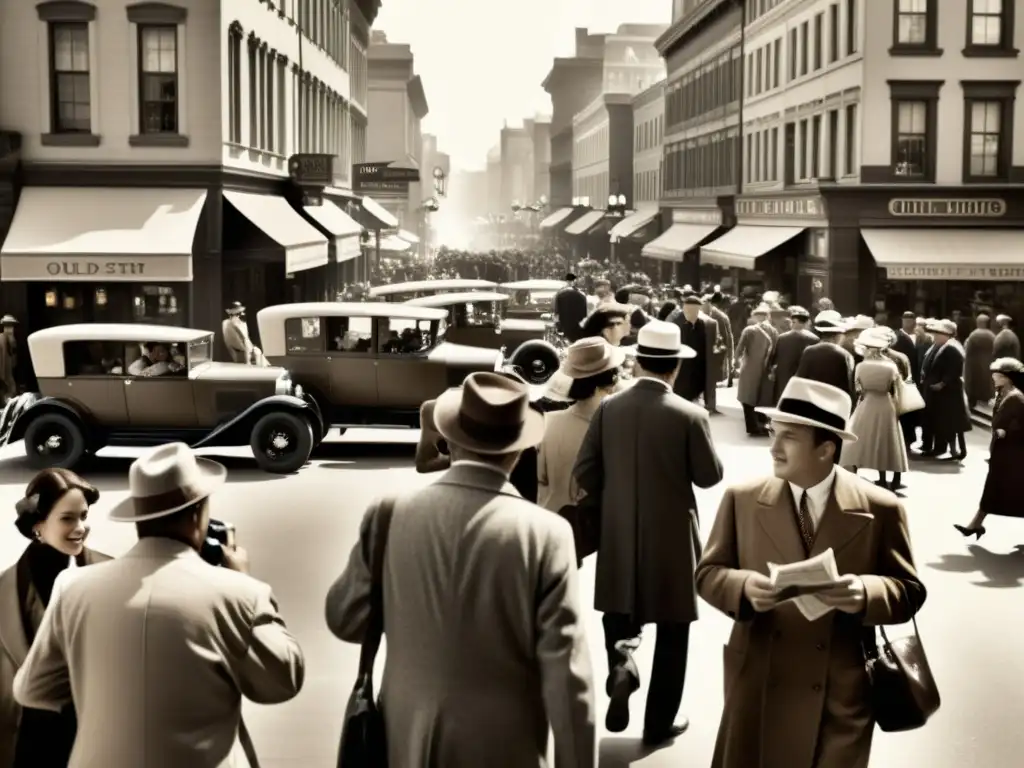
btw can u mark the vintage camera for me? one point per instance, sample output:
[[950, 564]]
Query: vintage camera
[[218, 536]]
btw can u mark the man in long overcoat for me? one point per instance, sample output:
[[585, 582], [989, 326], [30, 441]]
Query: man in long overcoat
[[796, 692], [753, 356], [978, 350], [723, 360], [1007, 343], [827, 361], [698, 377], [789, 349], [645, 449], [942, 385], [906, 344], [236, 334]]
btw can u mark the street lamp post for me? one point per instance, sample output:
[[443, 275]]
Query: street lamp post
[[617, 206]]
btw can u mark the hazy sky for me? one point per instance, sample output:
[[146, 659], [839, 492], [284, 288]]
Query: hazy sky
[[482, 61]]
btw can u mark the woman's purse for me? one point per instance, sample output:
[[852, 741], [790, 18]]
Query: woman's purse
[[903, 691], [910, 399], [363, 736]]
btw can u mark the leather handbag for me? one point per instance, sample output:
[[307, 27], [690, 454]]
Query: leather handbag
[[363, 736], [903, 690], [584, 518], [910, 399]]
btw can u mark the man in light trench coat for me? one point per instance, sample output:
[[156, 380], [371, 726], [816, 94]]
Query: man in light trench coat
[[796, 691], [644, 451]]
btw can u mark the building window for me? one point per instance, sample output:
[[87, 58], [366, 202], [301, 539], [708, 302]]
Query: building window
[[254, 122], [852, 27], [990, 28], [985, 122], [791, 53], [915, 28], [833, 33], [71, 110], [914, 114], [776, 62], [850, 134], [804, 46], [235, 84], [158, 79], [988, 129], [819, 40], [816, 146]]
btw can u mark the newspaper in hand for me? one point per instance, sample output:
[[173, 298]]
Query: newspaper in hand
[[800, 580]]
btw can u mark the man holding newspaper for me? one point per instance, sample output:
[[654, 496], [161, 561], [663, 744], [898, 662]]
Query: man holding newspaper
[[803, 562]]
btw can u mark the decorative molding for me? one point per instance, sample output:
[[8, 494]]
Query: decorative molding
[[156, 13], [281, 58], [252, 40], [236, 29], [66, 10], [272, 53], [295, 69]]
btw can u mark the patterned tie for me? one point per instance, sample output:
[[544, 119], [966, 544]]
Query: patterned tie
[[803, 520]]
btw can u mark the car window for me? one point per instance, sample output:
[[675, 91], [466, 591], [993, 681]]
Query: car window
[[94, 358], [303, 336], [476, 313], [152, 359], [352, 335], [400, 335]]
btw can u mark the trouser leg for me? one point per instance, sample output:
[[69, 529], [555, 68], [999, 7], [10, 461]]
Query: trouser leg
[[621, 639], [750, 419], [668, 676]]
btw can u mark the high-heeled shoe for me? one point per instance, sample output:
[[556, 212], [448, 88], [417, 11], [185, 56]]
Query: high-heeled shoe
[[977, 533]]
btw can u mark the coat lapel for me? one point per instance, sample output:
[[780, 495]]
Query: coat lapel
[[12, 632], [778, 520], [845, 516]]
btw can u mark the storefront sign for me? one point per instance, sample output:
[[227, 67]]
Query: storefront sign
[[992, 207], [394, 187], [382, 177], [954, 272], [151, 269], [710, 217], [311, 170], [781, 207]]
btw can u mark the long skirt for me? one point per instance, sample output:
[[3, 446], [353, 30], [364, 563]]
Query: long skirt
[[880, 445]]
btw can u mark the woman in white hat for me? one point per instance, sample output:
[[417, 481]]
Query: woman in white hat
[[880, 445], [592, 365]]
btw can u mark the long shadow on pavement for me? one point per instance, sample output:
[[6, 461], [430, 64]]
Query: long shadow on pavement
[[1000, 570]]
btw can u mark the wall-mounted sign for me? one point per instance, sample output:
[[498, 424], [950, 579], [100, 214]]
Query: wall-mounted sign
[[781, 207], [710, 217], [953, 272], [311, 170], [15, 268], [387, 187], [990, 207], [365, 172]]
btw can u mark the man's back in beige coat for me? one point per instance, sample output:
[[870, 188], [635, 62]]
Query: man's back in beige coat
[[156, 649]]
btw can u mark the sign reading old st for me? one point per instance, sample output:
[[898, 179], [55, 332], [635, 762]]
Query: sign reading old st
[[985, 207], [91, 268]]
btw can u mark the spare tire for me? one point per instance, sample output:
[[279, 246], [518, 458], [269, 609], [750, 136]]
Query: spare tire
[[536, 360]]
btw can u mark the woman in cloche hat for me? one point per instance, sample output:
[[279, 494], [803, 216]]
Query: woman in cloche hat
[[1003, 494], [593, 366]]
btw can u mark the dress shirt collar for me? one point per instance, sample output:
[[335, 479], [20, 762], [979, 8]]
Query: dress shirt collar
[[482, 464], [817, 496]]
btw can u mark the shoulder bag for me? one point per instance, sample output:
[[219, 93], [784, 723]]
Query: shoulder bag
[[903, 690], [910, 399], [363, 737]]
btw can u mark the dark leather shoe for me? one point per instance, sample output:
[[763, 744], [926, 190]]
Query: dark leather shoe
[[620, 687], [658, 738]]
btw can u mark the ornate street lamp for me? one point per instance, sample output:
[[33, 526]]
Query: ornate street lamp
[[440, 182], [617, 205]]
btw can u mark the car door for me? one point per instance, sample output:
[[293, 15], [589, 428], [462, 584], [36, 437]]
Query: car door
[[352, 363], [166, 401], [93, 381], [405, 377]]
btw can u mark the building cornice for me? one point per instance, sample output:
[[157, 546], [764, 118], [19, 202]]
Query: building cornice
[[417, 97], [685, 25]]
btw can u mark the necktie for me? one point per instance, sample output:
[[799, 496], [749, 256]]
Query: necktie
[[803, 520]]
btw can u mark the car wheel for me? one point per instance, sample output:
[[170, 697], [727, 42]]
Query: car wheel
[[54, 440], [537, 361], [282, 442]]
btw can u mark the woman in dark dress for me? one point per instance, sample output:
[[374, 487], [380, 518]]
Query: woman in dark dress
[[52, 515], [1004, 493]]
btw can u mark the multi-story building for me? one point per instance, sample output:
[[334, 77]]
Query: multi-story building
[[541, 151], [516, 147], [172, 187], [397, 106], [493, 172]]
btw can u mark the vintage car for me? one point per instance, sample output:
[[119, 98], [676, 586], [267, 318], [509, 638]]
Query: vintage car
[[369, 364], [532, 299], [476, 319], [96, 388], [406, 291]]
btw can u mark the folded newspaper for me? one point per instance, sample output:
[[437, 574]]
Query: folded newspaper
[[799, 581]]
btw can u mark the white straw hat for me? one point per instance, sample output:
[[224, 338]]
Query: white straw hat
[[813, 404]]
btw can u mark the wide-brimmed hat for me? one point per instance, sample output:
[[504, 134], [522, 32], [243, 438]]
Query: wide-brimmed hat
[[661, 339], [829, 321], [799, 313], [166, 480], [945, 327], [489, 414], [1004, 319], [861, 323], [813, 404], [9, 320], [590, 357], [1007, 366], [878, 337], [236, 308]]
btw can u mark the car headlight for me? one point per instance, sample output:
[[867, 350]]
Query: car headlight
[[284, 386], [298, 390]]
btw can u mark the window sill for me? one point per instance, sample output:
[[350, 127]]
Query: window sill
[[982, 180], [70, 140], [989, 52], [915, 50], [158, 140], [895, 179]]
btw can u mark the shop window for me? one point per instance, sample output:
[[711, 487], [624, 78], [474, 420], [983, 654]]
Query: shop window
[[353, 335], [303, 336], [159, 304], [915, 28], [990, 26]]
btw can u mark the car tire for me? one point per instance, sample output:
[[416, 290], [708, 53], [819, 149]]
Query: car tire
[[281, 442], [40, 450], [536, 360]]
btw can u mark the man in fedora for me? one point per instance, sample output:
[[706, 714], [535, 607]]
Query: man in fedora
[[789, 349], [698, 378], [754, 352], [570, 306], [827, 361], [645, 449], [236, 334], [485, 637], [156, 649], [795, 690], [942, 386], [722, 361]]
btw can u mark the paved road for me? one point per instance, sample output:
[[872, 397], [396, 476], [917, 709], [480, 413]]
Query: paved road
[[299, 531]]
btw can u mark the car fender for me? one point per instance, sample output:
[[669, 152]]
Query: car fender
[[30, 406], [236, 430]]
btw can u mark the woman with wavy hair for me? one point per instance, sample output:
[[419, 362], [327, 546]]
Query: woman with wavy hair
[[53, 516]]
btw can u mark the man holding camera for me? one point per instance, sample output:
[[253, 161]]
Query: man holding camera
[[156, 649]]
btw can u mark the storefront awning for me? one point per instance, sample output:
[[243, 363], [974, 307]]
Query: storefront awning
[[102, 234], [741, 245], [675, 241], [393, 244], [556, 218], [304, 247], [333, 219], [408, 236], [384, 217], [632, 224], [948, 254], [585, 223]]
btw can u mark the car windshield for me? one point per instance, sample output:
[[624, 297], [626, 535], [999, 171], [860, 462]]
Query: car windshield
[[200, 351], [475, 314]]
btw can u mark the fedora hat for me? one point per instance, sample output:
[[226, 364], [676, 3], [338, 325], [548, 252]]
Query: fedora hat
[[661, 339], [9, 320], [166, 480], [813, 404], [590, 357], [490, 414], [829, 321]]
